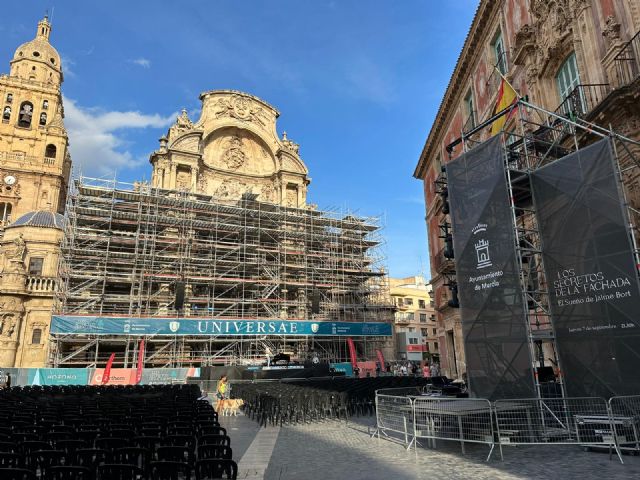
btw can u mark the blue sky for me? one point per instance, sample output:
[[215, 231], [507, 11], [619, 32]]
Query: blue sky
[[357, 82]]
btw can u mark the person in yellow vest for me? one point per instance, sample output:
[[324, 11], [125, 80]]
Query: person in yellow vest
[[222, 393]]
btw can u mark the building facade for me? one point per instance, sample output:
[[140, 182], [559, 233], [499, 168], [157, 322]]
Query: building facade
[[34, 174], [232, 150], [415, 320], [573, 58]]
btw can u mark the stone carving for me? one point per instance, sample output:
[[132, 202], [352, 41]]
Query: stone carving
[[266, 194], [202, 184], [15, 256], [292, 198], [241, 108], [234, 156], [10, 313], [546, 39], [190, 144], [611, 30], [290, 145], [183, 122]]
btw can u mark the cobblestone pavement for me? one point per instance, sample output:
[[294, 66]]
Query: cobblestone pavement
[[339, 451]]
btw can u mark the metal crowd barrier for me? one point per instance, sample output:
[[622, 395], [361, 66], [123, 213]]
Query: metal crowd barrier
[[590, 422], [395, 414], [555, 421], [459, 419], [625, 421]]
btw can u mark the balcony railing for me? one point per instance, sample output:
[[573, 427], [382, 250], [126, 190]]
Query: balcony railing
[[582, 100], [442, 263], [627, 62], [37, 284], [404, 317]]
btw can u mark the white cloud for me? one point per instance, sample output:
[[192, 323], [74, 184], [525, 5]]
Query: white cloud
[[96, 137], [67, 66], [142, 62]]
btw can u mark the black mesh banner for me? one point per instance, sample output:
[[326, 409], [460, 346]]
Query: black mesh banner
[[491, 304], [590, 267]]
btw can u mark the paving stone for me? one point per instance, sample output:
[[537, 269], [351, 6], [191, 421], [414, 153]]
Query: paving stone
[[345, 451]]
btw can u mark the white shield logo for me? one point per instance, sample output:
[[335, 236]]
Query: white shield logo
[[174, 326], [315, 327]]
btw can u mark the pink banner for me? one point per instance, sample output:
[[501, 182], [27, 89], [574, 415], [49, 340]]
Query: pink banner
[[140, 362], [115, 376], [107, 369], [367, 368], [352, 353]]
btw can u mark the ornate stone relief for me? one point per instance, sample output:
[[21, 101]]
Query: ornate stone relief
[[11, 312], [241, 108], [611, 30], [15, 256], [290, 145], [234, 156], [545, 40], [292, 198], [267, 193], [190, 144]]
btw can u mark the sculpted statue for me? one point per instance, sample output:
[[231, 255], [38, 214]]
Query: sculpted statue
[[15, 256]]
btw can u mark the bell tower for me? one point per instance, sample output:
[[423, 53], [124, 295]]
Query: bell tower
[[34, 158]]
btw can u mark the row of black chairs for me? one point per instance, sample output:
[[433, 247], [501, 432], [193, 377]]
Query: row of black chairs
[[317, 399], [106, 432]]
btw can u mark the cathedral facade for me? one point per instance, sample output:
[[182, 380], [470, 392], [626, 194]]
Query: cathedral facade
[[232, 150]]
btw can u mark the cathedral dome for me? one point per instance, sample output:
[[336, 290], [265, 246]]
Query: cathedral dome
[[39, 49], [40, 218]]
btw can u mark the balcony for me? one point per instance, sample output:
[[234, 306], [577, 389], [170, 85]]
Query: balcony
[[582, 100], [442, 264], [627, 62], [403, 318], [37, 284]]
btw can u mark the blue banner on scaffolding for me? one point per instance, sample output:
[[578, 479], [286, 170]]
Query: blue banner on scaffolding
[[61, 324]]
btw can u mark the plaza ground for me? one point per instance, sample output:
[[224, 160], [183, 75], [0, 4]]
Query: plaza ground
[[344, 451]]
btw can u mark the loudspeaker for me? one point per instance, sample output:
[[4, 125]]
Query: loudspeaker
[[315, 302], [179, 303]]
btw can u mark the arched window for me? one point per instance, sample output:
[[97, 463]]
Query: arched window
[[25, 114], [50, 151], [36, 336], [43, 119], [5, 213]]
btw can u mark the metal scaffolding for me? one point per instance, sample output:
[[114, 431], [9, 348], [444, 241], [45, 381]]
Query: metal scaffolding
[[132, 250], [531, 138]]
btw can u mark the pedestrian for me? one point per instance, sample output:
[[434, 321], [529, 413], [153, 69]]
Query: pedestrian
[[222, 393], [7, 383], [426, 371], [433, 370], [378, 369], [414, 369], [403, 370]]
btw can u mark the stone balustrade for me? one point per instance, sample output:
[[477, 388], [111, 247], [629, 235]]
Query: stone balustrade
[[37, 284]]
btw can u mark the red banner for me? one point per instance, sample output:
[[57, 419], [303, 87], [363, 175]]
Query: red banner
[[107, 369], [140, 362], [352, 352], [380, 359], [416, 348]]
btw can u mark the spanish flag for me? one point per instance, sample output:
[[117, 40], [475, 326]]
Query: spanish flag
[[507, 96]]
